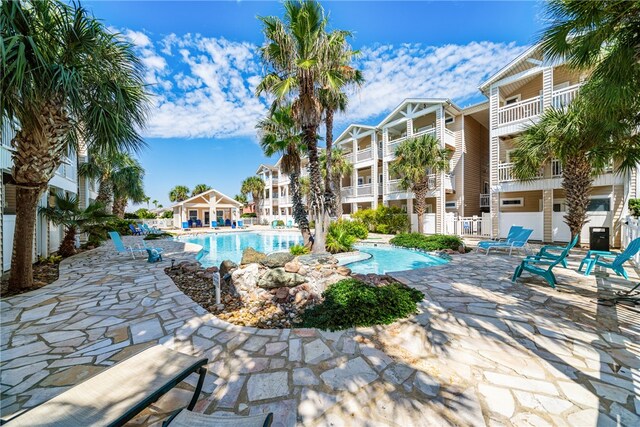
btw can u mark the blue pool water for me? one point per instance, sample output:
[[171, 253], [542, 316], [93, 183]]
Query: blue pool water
[[218, 247], [386, 259]]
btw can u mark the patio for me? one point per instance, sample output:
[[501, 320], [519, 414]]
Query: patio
[[483, 351]]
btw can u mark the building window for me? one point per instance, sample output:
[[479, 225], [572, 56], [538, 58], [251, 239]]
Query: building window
[[512, 99], [512, 202], [193, 215], [450, 205], [600, 204], [449, 120]]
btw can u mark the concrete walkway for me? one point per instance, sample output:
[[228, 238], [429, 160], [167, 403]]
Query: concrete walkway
[[482, 351]]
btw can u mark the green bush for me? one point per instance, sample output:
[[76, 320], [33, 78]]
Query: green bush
[[279, 223], [131, 215], [167, 214], [249, 215], [350, 303], [156, 236], [427, 243], [356, 228], [144, 213], [298, 250], [98, 233], [634, 207], [384, 219], [339, 239]]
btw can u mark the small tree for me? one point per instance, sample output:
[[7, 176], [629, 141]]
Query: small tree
[[67, 213], [254, 185], [178, 193], [340, 167], [416, 159]]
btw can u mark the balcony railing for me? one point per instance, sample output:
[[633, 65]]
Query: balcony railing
[[485, 200], [392, 145], [522, 110], [347, 191], [449, 137], [360, 190], [393, 186], [366, 154], [563, 97], [505, 173]]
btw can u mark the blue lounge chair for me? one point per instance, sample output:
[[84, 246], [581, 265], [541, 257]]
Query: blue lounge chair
[[198, 223], [289, 224], [135, 230], [233, 225], [513, 232], [546, 252], [227, 222], [274, 224], [186, 225], [519, 241], [214, 224], [240, 223], [604, 259], [542, 267], [120, 247], [151, 230]]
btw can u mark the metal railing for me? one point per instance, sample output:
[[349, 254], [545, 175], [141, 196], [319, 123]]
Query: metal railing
[[485, 200], [520, 110], [364, 190]]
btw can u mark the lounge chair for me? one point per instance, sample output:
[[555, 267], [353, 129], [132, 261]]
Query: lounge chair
[[135, 230], [120, 247], [240, 223], [119, 393], [186, 418], [542, 267], [546, 252], [198, 223], [513, 232], [274, 224], [151, 230], [519, 241], [186, 225], [214, 224], [227, 222], [289, 224], [603, 259]]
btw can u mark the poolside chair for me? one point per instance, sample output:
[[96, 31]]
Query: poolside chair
[[240, 223], [595, 258], [198, 223], [274, 224], [186, 418], [120, 247], [227, 222], [546, 252], [513, 232], [518, 242], [214, 224], [151, 230], [289, 224], [542, 267], [135, 230], [233, 225]]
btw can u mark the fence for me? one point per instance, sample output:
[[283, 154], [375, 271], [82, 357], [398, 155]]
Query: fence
[[631, 231], [479, 226], [159, 222]]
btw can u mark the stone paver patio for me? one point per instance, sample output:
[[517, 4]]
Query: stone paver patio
[[482, 351]]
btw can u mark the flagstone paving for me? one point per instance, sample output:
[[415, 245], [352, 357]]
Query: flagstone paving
[[481, 351]]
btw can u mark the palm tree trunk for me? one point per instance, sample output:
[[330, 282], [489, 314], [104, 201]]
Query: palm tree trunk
[[329, 195], [256, 201], [119, 206], [21, 274], [576, 180], [421, 202], [318, 209], [338, 187], [68, 245], [299, 211], [105, 195]]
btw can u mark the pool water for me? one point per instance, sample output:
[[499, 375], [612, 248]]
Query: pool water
[[220, 246], [386, 259]]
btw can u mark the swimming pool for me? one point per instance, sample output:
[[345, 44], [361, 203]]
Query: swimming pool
[[385, 259], [220, 246]]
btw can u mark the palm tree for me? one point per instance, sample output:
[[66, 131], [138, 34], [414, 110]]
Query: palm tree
[[296, 55], [340, 167], [115, 169], [155, 203], [178, 193], [65, 76], [241, 198], [280, 134], [600, 37], [254, 185], [67, 213], [146, 199], [584, 147], [199, 189], [416, 159]]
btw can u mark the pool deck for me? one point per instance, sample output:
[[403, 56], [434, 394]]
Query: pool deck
[[482, 351]]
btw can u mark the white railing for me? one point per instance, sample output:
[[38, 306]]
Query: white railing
[[519, 111], [347, 191], [485, 200], [449, 181], [505, 173], [364, 190], [449, 137], [393, 186], [392, 145], [349, 157], [630, 232], [467, 226], [563, 97], [556, 168], [365, 154], [159, 222]]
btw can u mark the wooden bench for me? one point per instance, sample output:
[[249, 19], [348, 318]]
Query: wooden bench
[[119, 393]]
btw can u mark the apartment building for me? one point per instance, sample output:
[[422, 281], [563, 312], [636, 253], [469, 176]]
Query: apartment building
[[276, 200], [66, 181], [518, 94]]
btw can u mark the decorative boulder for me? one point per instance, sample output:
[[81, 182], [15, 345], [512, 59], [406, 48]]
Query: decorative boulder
[[251, 256], [292, 267], [226, 266], [278, 278], [278, 259], [315, 259], [245, 279]]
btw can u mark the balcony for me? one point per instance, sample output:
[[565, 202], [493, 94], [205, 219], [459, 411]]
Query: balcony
[[449, 138], [527, 109], [485, 200], [364, 190], [393, 185], [563, 97], [506, 174], [364, 155]]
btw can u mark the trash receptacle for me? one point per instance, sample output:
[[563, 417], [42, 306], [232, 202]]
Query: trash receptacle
[[599, 238]]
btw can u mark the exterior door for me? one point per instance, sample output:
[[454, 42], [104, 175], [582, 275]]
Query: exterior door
[[206, 218]]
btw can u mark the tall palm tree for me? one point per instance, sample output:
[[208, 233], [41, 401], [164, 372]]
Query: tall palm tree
[[67, 213], [63, 74], [155, 203], [254, 185], [279, 133], [584, 147], [295, 55], [114, 168], [416, 159], [178, 193], [340, 167], [241, 198], [199, 189]]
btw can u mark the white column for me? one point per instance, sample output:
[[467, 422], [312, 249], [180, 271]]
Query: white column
[[547, 87], [440, 193], [409, 127], [494, 160]]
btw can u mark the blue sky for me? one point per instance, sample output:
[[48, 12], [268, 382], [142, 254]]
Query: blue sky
[[202, 67]]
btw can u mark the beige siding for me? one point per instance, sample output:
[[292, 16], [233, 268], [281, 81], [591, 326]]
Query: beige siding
[[531, 201], [426, 120], [364, 142], [563, 74], [476, 164], [529, 90], [9, 199]]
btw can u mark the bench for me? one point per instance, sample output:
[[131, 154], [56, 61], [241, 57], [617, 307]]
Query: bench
[[119, 393]]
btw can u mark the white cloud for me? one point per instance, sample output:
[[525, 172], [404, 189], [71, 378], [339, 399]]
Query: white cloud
[[204, 86]]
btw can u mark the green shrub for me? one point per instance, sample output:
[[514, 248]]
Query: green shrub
[[279, 223], [384, 219], [131, 215], [634, 207], [249, 215], [350, 303], [312, 224], [167, 214], [144, 213], [156, 236], [356, 228], [427, 243], [339, 239], [298, 250]]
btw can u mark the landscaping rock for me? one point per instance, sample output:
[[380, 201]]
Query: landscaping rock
[[343, 271], [278, 259], [227, 266], [278, 277], [292, 267], [282, 293], [250, 256], [316, 259], [245, 280]]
